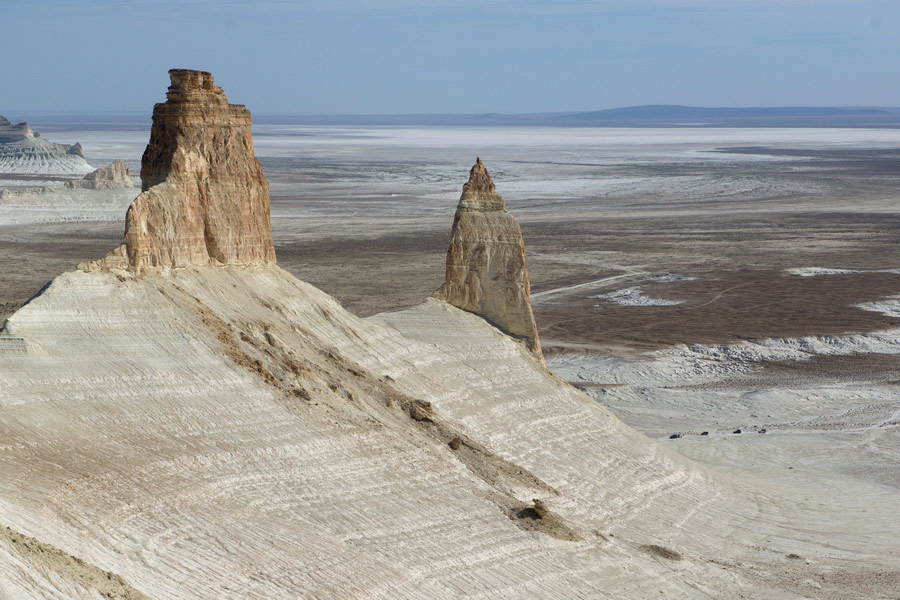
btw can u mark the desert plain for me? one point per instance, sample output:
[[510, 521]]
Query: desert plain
[[731, 293]]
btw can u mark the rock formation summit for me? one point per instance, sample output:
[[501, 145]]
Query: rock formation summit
[[487, 272], [23, 150], [204, 198]]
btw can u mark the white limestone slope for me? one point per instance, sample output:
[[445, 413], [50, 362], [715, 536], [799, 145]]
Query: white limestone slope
[[233, 432], [36, 156], [39, 162]]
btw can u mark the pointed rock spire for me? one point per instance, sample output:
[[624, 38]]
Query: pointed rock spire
[[487, 272], [479, 192], [205, 200]]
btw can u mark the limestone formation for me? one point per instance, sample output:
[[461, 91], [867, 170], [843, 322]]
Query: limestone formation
[[116, 175], [487, 272], [204, 198], [23, 150]]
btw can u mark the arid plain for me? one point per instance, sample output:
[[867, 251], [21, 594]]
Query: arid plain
[[731, 292]]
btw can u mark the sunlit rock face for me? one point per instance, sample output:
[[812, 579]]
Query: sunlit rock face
[[205, 200], [487, 272]]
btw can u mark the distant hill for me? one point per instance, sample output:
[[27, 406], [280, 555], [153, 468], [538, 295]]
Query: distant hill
[[663, 115], [24, 151], [676, 111], [654, 115]]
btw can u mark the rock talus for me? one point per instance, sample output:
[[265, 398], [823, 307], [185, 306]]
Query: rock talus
[[487, 273], [204, 198]]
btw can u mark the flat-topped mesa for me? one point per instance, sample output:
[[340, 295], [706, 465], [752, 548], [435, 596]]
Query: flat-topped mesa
[[205, 200], [487, 273]]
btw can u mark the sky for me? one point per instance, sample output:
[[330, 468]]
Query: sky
[[451, 56]]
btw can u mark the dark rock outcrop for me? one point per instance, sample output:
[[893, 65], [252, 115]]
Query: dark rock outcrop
[[76, 149], [487, 273]]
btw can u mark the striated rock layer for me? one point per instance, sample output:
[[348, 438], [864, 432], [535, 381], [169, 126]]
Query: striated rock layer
[[487, 272], [205, 200], [23, 150]]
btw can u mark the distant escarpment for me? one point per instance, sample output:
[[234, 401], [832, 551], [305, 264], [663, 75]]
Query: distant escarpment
[[116, 175], [23, 150], [487, 272], [204, 198]]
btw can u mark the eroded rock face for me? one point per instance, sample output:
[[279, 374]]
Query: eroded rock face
[[487, 272], [205, 200], [116, 175]]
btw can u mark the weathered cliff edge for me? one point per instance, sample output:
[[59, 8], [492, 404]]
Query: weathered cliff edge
[[205, 200], [23, 150], [487, 272]]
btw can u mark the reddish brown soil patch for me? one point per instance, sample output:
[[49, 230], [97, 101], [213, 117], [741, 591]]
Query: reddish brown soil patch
[[724, 306]]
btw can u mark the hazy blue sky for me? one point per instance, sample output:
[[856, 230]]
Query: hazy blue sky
[[452, 56]]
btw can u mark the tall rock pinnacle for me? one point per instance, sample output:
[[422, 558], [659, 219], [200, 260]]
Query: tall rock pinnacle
[[487, 273], [205, 200]]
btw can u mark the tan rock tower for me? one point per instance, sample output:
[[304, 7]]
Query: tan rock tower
[[487, 273], [205, 200]]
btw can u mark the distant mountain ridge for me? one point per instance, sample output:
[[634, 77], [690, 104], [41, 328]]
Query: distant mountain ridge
[[651, 115], [677, 111]]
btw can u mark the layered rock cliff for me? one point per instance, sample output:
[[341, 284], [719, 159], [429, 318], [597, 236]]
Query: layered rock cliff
[[205, 200], [23, 150], [487, 272]]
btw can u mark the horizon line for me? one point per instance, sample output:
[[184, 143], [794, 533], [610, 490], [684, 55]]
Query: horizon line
[[136, 112]]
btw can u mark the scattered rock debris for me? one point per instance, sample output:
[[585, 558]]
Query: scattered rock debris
[[420, 410], [540, 509], [537, 517], [661, 552]]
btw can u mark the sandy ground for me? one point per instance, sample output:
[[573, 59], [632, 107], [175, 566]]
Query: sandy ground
[[712, 221]]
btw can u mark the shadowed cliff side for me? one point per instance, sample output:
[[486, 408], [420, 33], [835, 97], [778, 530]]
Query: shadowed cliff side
[[487, 272], [205, 200]]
